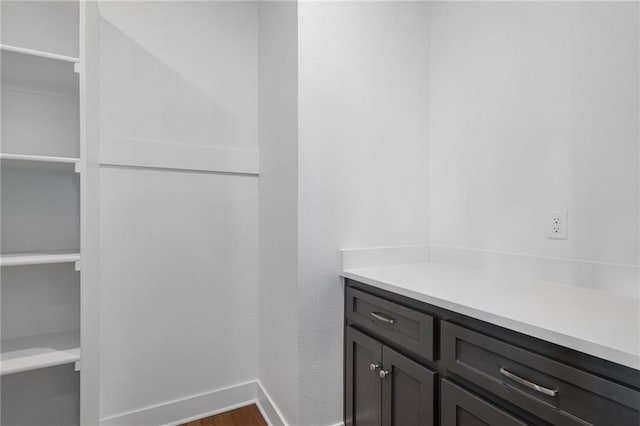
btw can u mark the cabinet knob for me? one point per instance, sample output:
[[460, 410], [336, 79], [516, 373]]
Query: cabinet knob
[[384, 374], [373, 367]]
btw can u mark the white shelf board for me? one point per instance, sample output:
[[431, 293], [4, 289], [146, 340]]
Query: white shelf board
[[40, 158], [38, 53], [34, 352], [17, 259], [48, 162]]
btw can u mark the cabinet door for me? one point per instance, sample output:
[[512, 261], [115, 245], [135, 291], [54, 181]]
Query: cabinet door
[[408, 391], [362, 380], [462, 408]]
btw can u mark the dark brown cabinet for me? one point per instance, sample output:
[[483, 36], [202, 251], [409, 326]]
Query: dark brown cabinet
[[556, 392], [408, 364], [384, 387], [462, 408], [408, 391], [362, 383]]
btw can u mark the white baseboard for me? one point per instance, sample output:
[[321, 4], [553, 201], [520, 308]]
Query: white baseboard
[[268, 408], [195, 407]]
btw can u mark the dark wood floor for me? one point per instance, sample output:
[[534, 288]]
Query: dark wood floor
[[245, 416]]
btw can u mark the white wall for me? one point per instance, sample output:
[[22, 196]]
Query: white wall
[[196, 79], [178, 303], [534, 107], [179, 249], [363, 165], [348, 100], [278, 124], [50, 26]]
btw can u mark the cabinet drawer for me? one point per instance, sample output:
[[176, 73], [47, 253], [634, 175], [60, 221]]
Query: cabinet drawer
[[553, 391], [462, 408], [410, 329]]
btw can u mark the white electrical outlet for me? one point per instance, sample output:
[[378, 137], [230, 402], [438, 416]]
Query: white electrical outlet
[[557, 224]]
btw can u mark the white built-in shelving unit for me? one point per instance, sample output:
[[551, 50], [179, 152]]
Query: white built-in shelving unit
[[42, 212]]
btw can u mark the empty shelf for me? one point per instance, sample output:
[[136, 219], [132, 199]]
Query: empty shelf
[[34, 352], [38, 53], [39, 158], [38, 258], [52, 163]]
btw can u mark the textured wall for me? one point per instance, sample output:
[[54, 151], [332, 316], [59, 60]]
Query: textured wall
[[534, 107], [363, 165]]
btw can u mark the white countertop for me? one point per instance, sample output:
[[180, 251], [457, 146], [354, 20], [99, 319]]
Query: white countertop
[[595, 322]]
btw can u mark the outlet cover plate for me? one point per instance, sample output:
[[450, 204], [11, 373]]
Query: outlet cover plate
[[557, 224]]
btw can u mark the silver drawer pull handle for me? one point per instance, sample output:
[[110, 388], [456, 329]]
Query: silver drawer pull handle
[[383, 318], [384, 374], [524, 382]]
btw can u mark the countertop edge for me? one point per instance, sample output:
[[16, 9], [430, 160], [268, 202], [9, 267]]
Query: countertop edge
[[595, 349]]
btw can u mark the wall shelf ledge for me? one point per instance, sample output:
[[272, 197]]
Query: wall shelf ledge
[[42, 258], [39, 53], [34, 352]]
